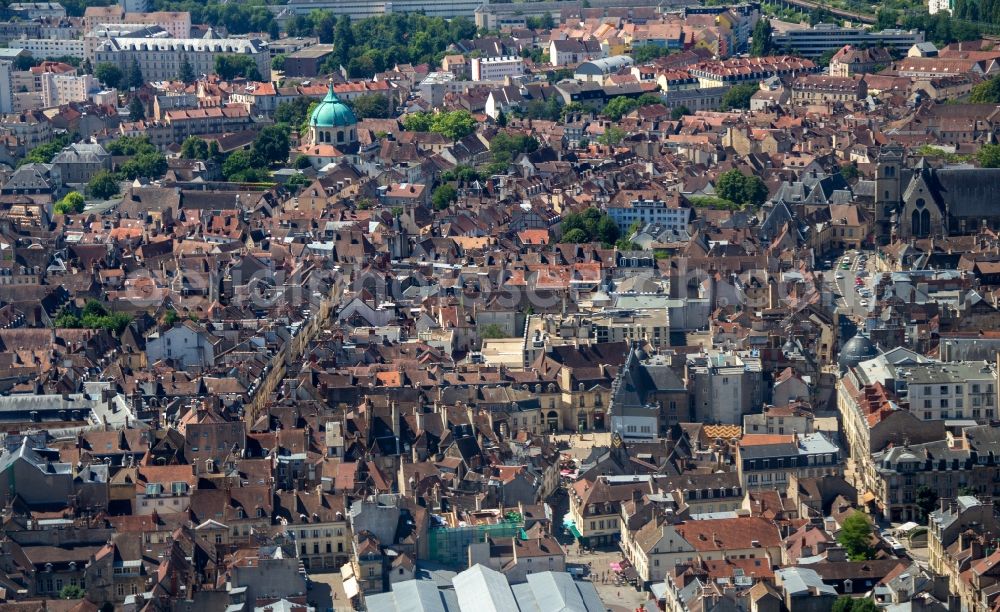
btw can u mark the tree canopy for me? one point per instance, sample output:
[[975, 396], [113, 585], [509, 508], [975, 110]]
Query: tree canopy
[[762, 44], [109, 74], [744, 190], [272, 144], [102, 185], [987, 92], [855, 536], [71, 203], [591, 225], [989, 156], [453, 124], [443, 196], [230, 67], [739, 97]]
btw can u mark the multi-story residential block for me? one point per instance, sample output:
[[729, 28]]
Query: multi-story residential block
[[210, 439], [819, 89], [58, 89], [497, 68], [769, 460], [594, 507], [965, 462], [672, 213], [80, 161], [953, 390], [737, 70], [161, 59], [780, 420], [217, 120], [105, 31], [177, 23], [952, 532], [37, 10], [572, 51], [45, 48], [851, 60], [317, 523]]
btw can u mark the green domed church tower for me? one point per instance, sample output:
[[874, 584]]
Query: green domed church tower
[[333, 123]]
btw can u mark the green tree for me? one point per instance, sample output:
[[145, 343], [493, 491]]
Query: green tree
[[987, 92], [989, 156], [102, 185], [244, 166], [148, 164], [492, 331], [293, 112], [278, 62], [136, 109], [505, 147], [927, 499], [454, 125], [645, 53], [443, 196], [372, 106], [855, 536], [736, 187], [762, 44], [302, 162], [502, 119], [418, 122], [619, 107], [739, 97], [170, 317], [679, 112], [43, 153], [194, 148], [71, 591], [864, 605], [886, 18], [71, 203], [109, 74], [273, 30], [186, 72], [343, 40], [844, 603], [575, 236], [231, 67], [133, 77], [127, 146], [612, 136], [272, 144], [849, 171]]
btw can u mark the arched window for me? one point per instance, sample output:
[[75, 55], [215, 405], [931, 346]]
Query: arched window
[[340, 136]]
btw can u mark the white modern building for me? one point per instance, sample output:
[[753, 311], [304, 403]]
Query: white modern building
[[936, 6], [670, 214], [496, 68], [60, 89], [46, 48]]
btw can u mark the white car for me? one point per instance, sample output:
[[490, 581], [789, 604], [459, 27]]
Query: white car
[[863, 303], [840, 275]]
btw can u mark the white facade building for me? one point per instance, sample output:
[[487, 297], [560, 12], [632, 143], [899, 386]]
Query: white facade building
[[935, 6], [496, 68], [60, 89], [46, 48], [160, 59]]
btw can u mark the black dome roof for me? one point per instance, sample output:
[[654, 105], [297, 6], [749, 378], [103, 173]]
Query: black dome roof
[[857, 349]]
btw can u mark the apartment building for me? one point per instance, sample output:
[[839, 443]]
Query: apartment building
[[768, 460], [317, 523], [45, 48], [6, 87], [672, 214], [92, 39], [176, 23], [60, 89], [496, 68], [820, 89], [738, 70], [160, 59], [595, 507], [956, 390], [959, 463]]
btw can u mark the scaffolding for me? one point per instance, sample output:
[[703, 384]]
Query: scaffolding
[[449, 545]]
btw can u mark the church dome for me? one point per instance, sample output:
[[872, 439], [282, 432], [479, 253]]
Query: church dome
[[331, 112], [856, 350]]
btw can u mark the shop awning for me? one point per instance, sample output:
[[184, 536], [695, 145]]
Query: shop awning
[[351, 587]]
